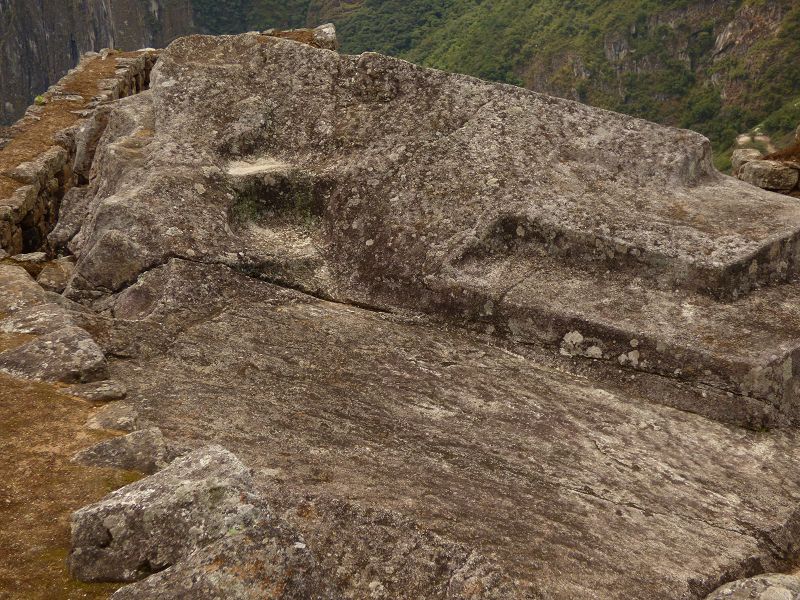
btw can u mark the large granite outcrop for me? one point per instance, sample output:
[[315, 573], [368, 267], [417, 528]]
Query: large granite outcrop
[[370, 180], [574, 484], [472, 341]]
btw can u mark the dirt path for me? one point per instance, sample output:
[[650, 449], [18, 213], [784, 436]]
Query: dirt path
[[40, 429]]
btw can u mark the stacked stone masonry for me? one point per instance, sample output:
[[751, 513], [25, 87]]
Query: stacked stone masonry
[[29, 213]]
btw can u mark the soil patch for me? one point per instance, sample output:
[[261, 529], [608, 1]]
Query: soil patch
[[40, 429], [304, 36]]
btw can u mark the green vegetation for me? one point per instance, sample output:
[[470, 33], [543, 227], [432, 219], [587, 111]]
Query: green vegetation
[[650, 58], [39, 101], [221, 16]]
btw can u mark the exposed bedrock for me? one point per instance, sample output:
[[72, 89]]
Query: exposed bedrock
[[369, 180], [570, 484], [465, 338]]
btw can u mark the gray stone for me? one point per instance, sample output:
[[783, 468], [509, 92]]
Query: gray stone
[[99, 391], [762, 587], [118, 416], [325, 36], [145, 451], [42, 168], [31, 257], [265, 561], [71, 215], [55, 275], [67, 355], [150, 525], [742, 156], [18, 290], [770, 175], [86, 142], [37, 319]]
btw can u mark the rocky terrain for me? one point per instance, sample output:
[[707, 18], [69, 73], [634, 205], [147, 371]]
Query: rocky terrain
[[379, 331], [720, 67]]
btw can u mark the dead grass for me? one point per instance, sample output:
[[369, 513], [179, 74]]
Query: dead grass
[[790, 153], [40, 429], [35, 137]]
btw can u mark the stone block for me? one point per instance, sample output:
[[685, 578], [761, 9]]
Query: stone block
[[742, 156], [770, 175], [152, 524]]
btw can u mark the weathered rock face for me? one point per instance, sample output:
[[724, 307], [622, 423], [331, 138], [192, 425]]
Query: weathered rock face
[[41, 41], [762, 587], [368, 179], [573, 483], [67, 355], [145, 451], [274, 245], [742, 156], [770, 175], [150, 525], [263, 562]]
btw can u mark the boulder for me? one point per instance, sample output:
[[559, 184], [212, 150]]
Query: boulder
[[55, 274], [769, 175], [325, 37], [99, 391], [152, 524], [18, 290], [265, 561], [145, 451], [37, 319], [118, 416], [762, 587], [742, 156], [67, 355]]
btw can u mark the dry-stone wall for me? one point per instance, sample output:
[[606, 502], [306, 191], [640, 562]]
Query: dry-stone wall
[[29, 211]]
